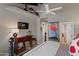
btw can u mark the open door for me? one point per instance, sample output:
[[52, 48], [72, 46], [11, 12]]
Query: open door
[[54, 31]]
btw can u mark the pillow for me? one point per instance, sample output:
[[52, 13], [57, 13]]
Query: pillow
[[20, 45], [74, 46]]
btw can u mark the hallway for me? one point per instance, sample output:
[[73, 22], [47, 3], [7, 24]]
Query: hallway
[[49, 48]]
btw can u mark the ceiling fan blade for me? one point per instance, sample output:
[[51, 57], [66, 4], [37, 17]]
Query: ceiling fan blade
[[53, 13], [56, 9], [40, 11], [50, 13], [44, 15], [47, 7]]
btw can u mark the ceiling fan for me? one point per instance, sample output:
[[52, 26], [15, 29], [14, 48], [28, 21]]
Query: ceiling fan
[[51, 11]]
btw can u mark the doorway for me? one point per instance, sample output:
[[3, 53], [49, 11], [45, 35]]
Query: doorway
[[54, 31], [44, 30]]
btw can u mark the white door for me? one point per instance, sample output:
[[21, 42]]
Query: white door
[[70, 31], [66, 32]]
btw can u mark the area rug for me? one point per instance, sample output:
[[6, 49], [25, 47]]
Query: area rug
[[63, 50]]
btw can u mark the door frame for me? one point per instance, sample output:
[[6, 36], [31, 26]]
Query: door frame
[[58, 35], [47, 29], [66, 23]]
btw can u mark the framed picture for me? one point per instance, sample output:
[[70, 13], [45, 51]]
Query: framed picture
[[23, 25]]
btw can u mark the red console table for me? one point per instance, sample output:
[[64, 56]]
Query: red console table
[[22, 40]]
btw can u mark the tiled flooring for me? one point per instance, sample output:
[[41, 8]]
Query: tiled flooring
[[48, 48], [3, 54], [51, 48]]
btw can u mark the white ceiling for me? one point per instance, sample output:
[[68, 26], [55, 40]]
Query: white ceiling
[[70, 10]]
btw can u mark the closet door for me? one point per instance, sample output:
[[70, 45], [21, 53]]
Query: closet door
[[66, 32], [70, 31], [63, 38]]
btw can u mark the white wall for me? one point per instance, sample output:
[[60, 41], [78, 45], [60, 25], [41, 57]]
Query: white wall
[[38, 35], [71, 14], [8, 20]]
